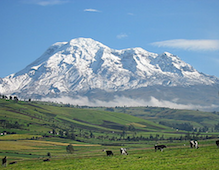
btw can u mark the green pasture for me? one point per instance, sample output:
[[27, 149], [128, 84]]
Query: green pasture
[[141, 157]]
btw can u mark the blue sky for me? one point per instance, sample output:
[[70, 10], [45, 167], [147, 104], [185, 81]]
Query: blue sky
[[186, 28]]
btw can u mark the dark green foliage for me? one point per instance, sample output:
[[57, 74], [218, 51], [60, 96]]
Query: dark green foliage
[[71, 136], [131, 128], [49, 154], [70, 148]]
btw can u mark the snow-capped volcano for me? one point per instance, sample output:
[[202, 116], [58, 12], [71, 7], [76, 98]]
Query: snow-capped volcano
[[88, 68]]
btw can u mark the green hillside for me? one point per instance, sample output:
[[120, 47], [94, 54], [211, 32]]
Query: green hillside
[[188, 120], [73, 123], [92, 125]]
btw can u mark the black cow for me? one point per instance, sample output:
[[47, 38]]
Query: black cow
[[14, 162], [160, 147], [4, 161], [108, 153], [217, 143]]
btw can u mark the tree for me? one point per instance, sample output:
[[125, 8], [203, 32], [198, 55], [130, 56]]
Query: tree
[[91, 135], [49, 154], [131, 128], [123, 134], [71, 136], [70, 148], [61, 133], [53, 131]]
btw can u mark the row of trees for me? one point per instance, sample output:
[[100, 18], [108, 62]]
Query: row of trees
[[124, 136]]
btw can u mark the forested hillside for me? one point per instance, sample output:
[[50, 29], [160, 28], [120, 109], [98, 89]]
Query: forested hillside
[[82, 124]]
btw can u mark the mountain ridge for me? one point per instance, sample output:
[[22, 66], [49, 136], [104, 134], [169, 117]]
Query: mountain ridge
[[83, 65]]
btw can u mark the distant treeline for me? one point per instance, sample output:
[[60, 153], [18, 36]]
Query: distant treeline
[[127, 137]]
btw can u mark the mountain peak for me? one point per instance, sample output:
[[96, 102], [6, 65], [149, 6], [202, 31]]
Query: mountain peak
[[81, 40], [86, 43], [167, 53]]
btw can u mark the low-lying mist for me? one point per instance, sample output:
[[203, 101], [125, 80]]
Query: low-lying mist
[[128, 102]]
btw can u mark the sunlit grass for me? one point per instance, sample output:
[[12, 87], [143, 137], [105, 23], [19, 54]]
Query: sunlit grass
[[205, 157], [15, 146]]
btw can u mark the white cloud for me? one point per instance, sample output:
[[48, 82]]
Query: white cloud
[[45, 2], [122, 35], [194, 45], [91, 10], [124, 101]]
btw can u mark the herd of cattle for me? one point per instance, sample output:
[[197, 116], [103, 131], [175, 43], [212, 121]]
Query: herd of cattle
[[123, 151]]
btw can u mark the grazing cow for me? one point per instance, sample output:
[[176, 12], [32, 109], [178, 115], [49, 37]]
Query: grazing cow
[[46, 160], [108, 153], [11, 163], [4, 161], [160, 147], [194, 144], [217, 143], [123, 151]]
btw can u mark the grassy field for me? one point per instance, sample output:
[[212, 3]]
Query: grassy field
[[141, 157], [90, 130]]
